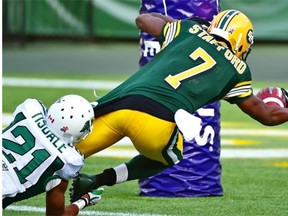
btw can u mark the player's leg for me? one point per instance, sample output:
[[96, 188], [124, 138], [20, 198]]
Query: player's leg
[[158, 141], [155, 138]]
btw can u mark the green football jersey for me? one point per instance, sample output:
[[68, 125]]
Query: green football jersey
[[190, 71]]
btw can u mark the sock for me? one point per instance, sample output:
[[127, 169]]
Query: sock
[[107, 177], [121, 173], [142, 167], [112, 176], [137, 168]]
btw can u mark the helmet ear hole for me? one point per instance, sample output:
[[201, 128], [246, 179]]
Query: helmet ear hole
[[220, 39], [240, 48]]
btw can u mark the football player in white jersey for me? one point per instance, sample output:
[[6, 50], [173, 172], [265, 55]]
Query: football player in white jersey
[[38, 153]]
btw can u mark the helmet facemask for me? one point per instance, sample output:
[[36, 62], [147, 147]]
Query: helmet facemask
[[71, 140]]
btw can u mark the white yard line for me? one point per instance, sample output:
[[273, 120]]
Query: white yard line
[[59, 83], [42, 210]]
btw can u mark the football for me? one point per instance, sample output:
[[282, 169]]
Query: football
[[272, 96]]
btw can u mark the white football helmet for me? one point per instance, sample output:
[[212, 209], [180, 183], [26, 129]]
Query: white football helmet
[[70, 118]]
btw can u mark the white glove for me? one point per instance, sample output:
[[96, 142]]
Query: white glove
[[189, 125], [95, 196]]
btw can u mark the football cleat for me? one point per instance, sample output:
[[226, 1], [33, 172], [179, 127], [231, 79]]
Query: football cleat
[[82, 184]]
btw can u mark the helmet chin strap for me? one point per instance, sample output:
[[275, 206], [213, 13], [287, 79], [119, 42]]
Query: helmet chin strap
[[238, 42]]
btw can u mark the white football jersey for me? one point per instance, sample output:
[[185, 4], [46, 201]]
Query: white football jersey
[[32, 154]]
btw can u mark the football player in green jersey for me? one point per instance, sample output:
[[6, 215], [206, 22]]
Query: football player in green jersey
[[193, 68]]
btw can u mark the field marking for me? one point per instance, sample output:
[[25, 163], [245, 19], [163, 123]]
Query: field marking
[[63, 83], [85, 212], [282, 164], [59, 83]]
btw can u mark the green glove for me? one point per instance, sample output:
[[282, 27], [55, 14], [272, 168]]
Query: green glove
[[81, 185]]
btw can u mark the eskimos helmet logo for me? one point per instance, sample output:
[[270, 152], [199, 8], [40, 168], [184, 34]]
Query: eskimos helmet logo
[[250, 37]]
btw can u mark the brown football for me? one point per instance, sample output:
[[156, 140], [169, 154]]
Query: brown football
[[272, 96]]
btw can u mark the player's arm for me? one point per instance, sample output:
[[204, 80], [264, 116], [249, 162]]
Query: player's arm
[[152, 23], [263, 113], [55, 200], [163, 17]]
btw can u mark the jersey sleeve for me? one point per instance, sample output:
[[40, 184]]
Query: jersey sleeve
[[74, 162], [29, 106], [171, 30], [239, 93]]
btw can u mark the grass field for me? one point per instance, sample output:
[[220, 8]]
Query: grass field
[[251, 186]]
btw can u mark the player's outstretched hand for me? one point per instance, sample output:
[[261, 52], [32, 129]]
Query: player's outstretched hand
[[82, 184], [95, 196]]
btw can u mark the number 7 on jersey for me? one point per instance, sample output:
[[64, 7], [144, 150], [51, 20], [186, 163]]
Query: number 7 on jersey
[[209, 62]]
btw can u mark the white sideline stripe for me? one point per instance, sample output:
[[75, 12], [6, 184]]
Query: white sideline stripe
[[254, 153], [42, 210], [56, 83], [254, 132], [65, 83]]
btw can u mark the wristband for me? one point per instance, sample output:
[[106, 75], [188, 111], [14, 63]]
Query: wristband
[[81, 203]]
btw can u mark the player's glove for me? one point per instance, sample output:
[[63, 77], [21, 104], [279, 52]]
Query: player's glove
[[81, 185], [286, 95], [95, 196]]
